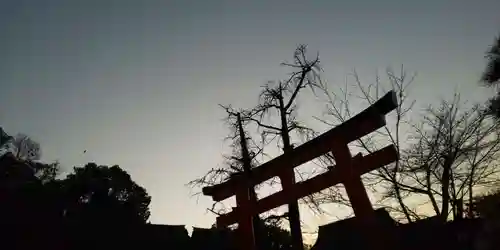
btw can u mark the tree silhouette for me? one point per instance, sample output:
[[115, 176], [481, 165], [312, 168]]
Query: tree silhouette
[[276, 117], [487, 207], [23, 194], [104, 195], [241, 161], [21, 146], [4, 138], [491, 76], [446, 155], [27, 152], [92, 204], [341, 107], [277, 238], [243, 156], [452, 153]]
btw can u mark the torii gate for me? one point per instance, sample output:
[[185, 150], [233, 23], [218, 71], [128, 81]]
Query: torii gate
[[348, 171]]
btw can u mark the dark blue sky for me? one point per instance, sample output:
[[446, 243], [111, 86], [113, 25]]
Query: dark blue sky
[[137, 83]]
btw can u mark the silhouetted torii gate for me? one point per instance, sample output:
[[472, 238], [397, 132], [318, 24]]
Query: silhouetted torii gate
[[348, 171]]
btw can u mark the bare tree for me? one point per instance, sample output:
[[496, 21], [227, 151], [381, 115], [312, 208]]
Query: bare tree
[[452, 154], [241, 161], [340, 106], [277, 104], [242, 158], [276, 118]]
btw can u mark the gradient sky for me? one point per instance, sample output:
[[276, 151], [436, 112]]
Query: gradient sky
[[137, 83]]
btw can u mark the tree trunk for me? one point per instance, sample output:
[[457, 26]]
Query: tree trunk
[[445, 179], [252, 196], [470, 211], [401, 203], [293, 206], [397, 190], [429, 191]]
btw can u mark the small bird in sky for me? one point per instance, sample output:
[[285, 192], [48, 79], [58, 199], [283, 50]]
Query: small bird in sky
[[84, 151]]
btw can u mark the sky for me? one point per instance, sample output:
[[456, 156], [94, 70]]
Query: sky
[[138, 83]]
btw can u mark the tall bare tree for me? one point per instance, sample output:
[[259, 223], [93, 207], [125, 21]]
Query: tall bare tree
[[242, 158], [241, 161], [276, 117]]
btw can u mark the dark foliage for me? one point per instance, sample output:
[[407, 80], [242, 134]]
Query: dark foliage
[[20, 191], [493, 106], [277, 238], [4, 138], [97, 198], [101, 194], [97, 194], [491, 75], [486, 206]]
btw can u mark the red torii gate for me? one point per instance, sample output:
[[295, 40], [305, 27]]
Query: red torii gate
[[348, 171]]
